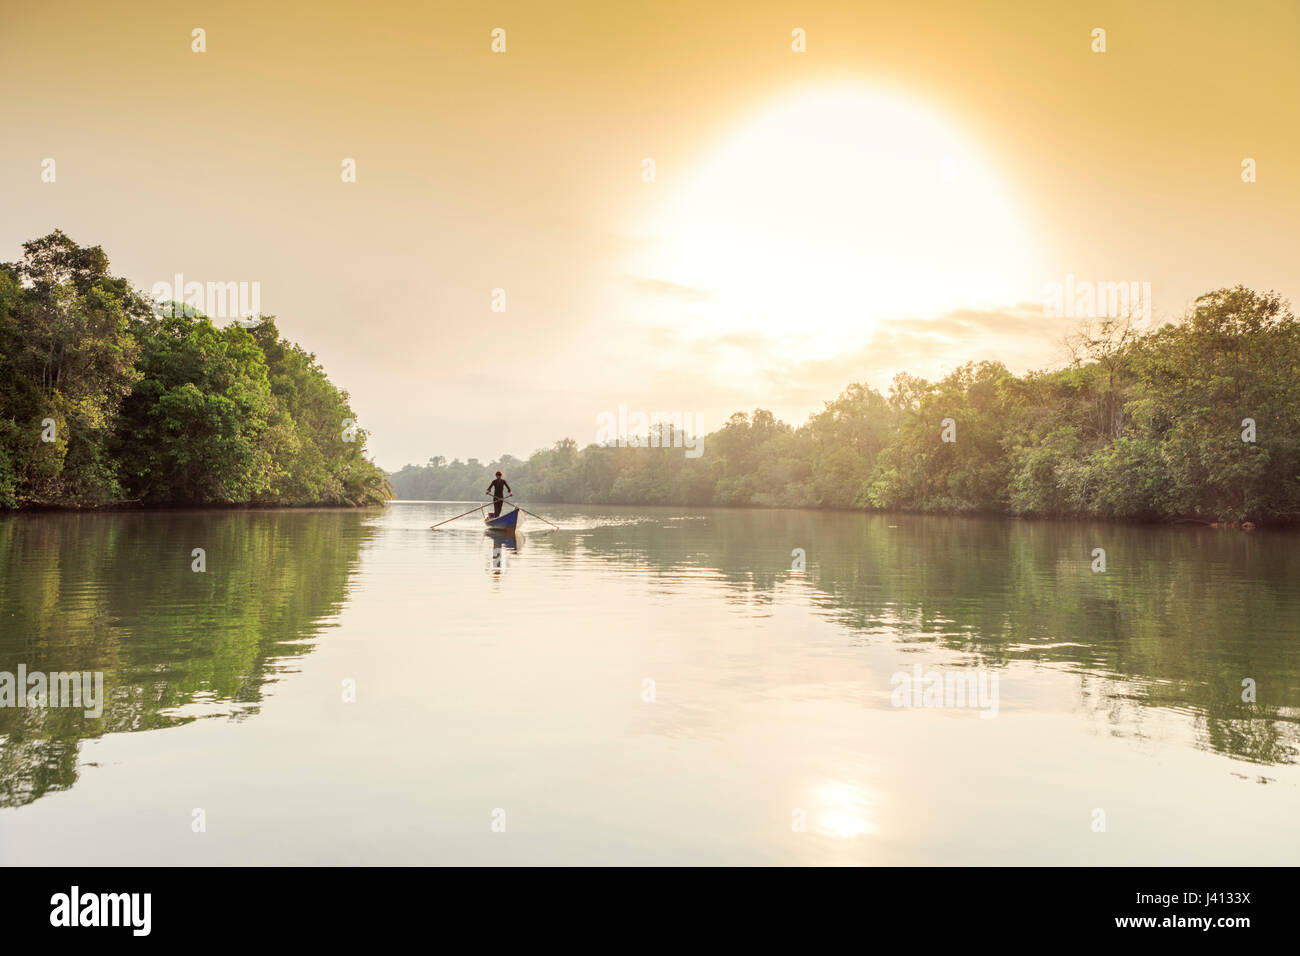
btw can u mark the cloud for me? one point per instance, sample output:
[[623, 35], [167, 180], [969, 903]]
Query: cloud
[[658, 287], [744, 370]]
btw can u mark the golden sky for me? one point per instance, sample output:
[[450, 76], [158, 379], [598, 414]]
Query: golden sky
[[894, 198]]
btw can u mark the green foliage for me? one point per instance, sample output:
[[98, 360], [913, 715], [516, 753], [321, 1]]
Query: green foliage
[[193, 428], [1139, 426], [68, 358], [164, 410]]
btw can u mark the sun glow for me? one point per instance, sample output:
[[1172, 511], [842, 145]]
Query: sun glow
[[828, 212], [841, 810]]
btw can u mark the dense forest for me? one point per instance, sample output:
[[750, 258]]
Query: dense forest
[[1198, 419], [104, 401]]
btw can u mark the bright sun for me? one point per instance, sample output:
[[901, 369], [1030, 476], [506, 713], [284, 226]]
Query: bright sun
[[830, 211]]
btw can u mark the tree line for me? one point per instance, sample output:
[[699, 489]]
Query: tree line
[[1197, 420], [103, 401]]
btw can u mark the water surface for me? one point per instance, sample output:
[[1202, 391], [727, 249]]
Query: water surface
[[647, 686]]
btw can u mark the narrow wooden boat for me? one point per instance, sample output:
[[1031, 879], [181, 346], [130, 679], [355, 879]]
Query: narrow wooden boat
[[507, 522]]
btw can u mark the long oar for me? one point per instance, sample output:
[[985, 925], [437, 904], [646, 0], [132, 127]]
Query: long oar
[[441, 523], [538, 517]]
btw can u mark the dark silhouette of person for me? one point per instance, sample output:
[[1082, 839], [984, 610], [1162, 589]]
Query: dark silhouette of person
[[498, 499]]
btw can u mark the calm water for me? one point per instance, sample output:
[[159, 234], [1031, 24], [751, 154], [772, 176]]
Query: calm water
[[519, 684]]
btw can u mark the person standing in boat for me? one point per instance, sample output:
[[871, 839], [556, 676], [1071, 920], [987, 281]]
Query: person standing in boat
[[498, 499]]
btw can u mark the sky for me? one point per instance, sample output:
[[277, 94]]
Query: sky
[[897, 196]]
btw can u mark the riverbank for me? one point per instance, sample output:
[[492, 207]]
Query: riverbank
[[183, 509], [124, 401]]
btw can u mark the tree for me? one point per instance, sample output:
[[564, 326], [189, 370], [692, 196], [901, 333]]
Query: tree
[[67, 363], [194, 429]]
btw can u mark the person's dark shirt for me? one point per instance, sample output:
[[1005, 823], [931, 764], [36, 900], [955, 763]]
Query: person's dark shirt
[[494, 489]]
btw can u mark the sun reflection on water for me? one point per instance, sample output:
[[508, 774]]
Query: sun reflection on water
[[841, 810]]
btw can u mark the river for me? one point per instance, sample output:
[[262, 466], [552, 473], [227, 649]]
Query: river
[[649, 686]]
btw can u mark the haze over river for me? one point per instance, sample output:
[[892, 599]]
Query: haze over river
[[648, 686]]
